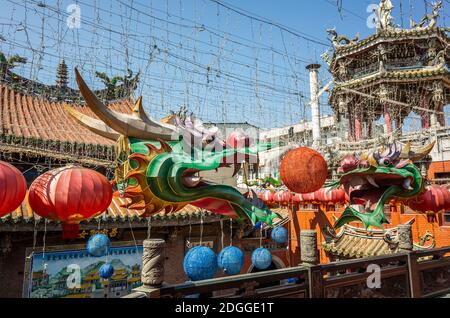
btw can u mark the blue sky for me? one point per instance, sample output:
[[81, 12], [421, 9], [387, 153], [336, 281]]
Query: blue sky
[[223, 65]]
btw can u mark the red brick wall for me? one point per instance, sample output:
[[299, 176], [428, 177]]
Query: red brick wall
[[438, 167]]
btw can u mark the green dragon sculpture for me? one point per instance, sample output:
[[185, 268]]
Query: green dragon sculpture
[[163, 166], [373, 179]]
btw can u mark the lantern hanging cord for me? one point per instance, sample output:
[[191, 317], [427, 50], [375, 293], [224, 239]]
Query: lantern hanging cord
[[231, 231], [43, 240], [201, 227], [190, 231], [260, 236], [221, 231], [34, 238], [132, 235]]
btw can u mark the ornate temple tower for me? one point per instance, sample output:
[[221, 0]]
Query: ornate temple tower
[[61, 75], [391, 74]]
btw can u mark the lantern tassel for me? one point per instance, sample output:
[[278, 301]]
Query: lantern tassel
[[70, 231]]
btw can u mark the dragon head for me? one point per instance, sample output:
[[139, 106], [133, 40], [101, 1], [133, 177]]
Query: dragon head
[[374, 178], [164, 165]]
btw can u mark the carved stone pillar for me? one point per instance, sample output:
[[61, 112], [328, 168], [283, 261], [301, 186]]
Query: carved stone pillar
[[309, 254], [405, 239], [382, 53], [152, 275], [438, 102]]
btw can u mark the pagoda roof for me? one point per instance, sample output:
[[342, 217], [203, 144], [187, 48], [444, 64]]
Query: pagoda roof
[[391, 35], [397, 75], [355, 242], [37, 124]]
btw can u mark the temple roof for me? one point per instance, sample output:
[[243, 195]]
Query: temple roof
[[354, 242], [392, 35], [35, 117], [35, 126], [23, 218], [397, 75]]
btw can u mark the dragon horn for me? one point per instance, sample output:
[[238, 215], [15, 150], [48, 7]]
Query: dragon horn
[[94, 125], [405, 150], [420, 153], [124, 124]]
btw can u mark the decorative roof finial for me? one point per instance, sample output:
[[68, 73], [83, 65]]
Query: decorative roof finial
[[428, 20], [385, 19]]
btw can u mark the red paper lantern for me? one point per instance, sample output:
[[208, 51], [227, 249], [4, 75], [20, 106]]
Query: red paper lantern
[[323, 195], [267, 196], [13, 188], [434, 199], [309, 197], [283, 197], [297, 198], [238, 140], [303, 170], [70, 195]]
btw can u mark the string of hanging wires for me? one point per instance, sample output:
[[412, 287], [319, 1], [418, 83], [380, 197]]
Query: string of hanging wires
[[233, 38], [149, 101], [255, 17], [51, 75], [276, 89], [239, 77], [201, 66], [153, 37]]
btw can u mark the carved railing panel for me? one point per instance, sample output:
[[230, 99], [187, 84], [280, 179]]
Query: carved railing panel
[[431, 272], [288, 282], [409, 274]]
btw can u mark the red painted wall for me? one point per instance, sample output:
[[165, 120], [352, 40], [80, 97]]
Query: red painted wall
[[317, 220]]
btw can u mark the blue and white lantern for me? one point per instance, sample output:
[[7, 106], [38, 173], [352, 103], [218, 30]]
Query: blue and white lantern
[[230, 260], [106, 271], [258, 225], [200, 263], [280, 235], [98, 245], [261, 258]]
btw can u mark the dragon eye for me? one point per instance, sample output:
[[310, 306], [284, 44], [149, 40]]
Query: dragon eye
[[385, 162]]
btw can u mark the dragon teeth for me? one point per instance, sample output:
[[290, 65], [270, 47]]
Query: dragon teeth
[[407, 184], [372, 181]]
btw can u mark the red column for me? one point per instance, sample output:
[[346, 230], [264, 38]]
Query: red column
[[351, 129], [358, 127], [387, 119], [425, 119]]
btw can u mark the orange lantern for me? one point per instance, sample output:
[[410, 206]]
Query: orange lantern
[[70, 195], [303, 170], [13, 188]]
